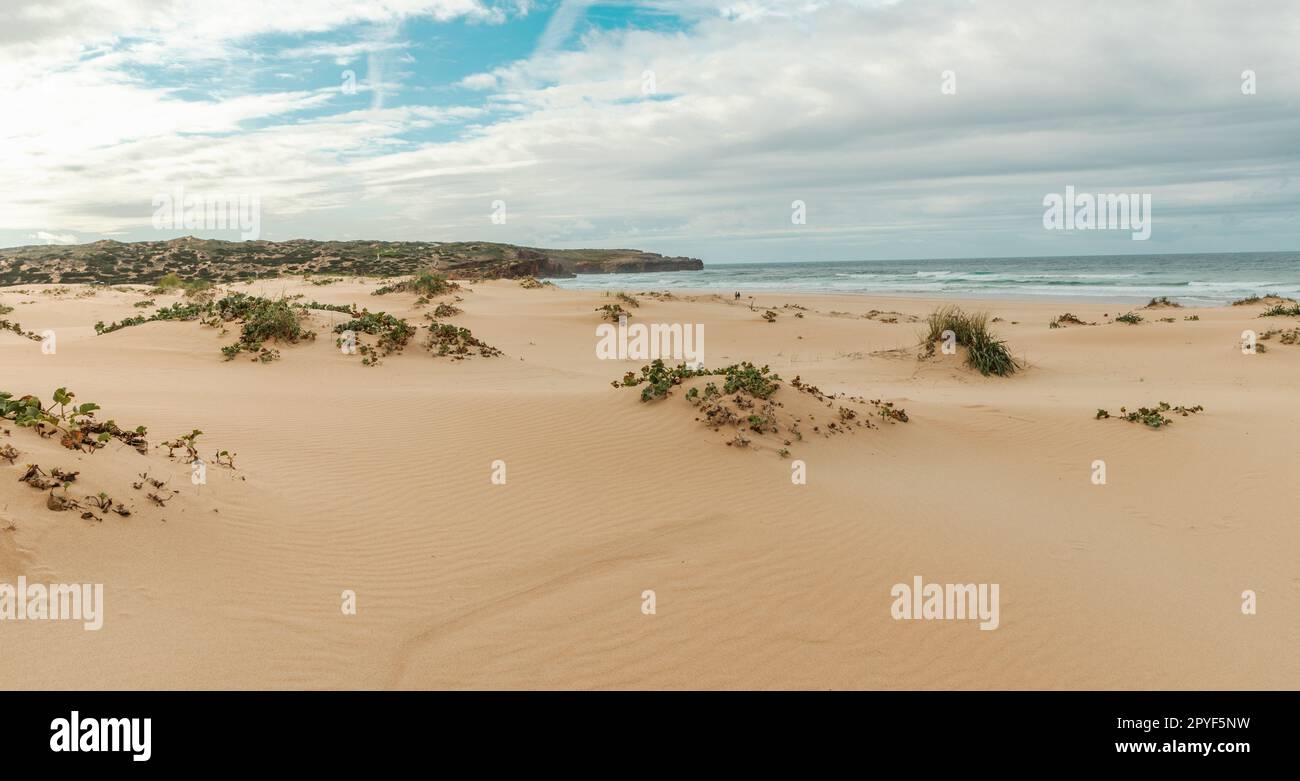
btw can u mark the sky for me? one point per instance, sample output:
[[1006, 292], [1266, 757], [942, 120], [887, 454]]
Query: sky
[[905, 129]]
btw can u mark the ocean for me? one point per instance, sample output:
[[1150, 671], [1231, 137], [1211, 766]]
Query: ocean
[[1205, 279]]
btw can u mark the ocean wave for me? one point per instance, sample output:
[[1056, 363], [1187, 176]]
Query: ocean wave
[[1191, 278]]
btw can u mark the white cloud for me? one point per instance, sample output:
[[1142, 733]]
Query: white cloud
[[55, 238], [561, 25], [342, 53], [479, 81], [758, 103]]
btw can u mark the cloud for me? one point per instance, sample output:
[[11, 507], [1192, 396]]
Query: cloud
[[479, 81], [342, 53], [561, 25], [837, 104], [55, 238], [160, 32]]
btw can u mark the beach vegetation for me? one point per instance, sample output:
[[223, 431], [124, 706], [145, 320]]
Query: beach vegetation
[[186, 442], [17, 328], [741, 398], [1285, 336], [392, 332], [1162, 301], [612, 312], [168, 283], [445, 339], [261, 320], [1281, 310], [1257, 299], [1067, 319], [984, 352], [74, 424], [1153, 417], [426, 283], [888, 412]]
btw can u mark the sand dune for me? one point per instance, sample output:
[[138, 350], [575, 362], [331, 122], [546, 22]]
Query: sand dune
[[377, 480]]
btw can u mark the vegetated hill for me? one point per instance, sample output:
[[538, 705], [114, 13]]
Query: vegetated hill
[[115, 262]]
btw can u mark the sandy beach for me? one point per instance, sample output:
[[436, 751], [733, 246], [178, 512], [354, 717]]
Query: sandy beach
[[379, 480]]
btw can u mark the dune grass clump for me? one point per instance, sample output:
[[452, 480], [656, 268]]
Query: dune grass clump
[[1067, 319], [658, 379], [984, 352], [532, 283], [744, 377], [761, 383], [965, 328], [171, 282], [1162, 301], [628, 299], [1291, 336], [1281, 310], [612, 312], [888, 412], [347, 309], [1132, 318], [1257, 299], [263, 320], [448, 340], [426, 283], [1153, 417], [176, 311], [741, 398], [17, 328], [744, 401], [167, 283], [393, 334]]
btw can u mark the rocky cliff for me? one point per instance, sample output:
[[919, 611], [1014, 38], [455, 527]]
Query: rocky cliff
[[113, 262]]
